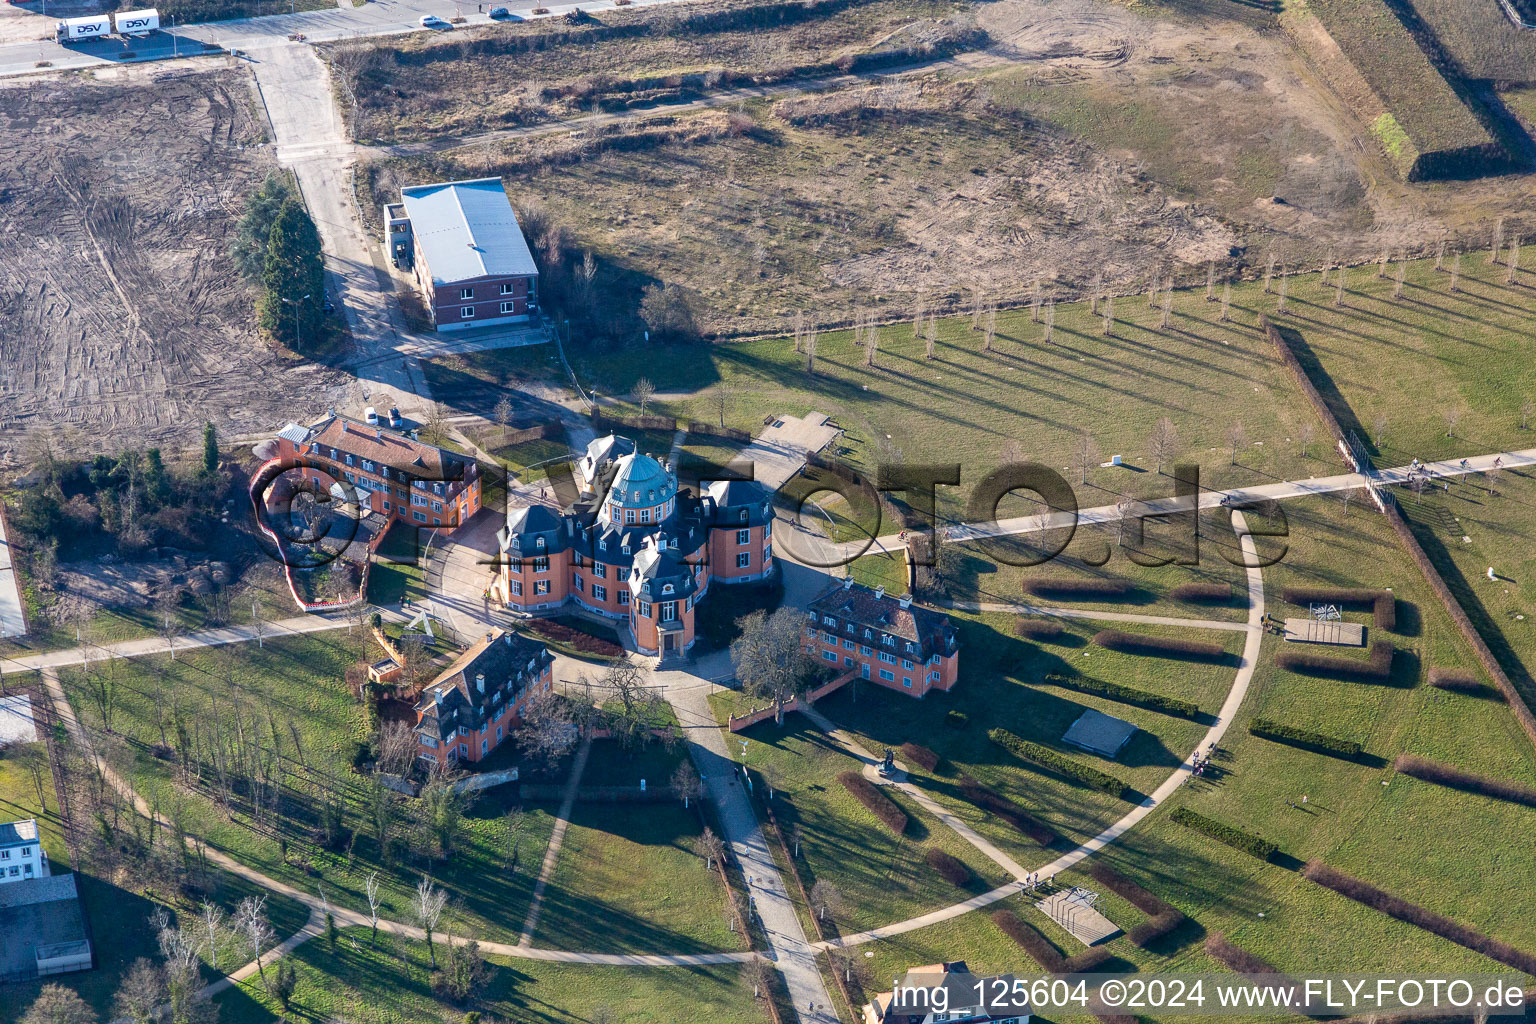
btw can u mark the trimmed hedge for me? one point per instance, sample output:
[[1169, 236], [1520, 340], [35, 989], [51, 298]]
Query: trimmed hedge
[[954, 871], [880, 805], [1200, 593], [1037, 629], [1141, 643], [1377, 668], [1004, 808], [1223, 833], [1080, 590], [1313, 741], [956, 719], [1460, 680], [1383, 603], [1125, 694], [1056, 762], [1235, 957], [578, 639], [1162, 917], [1042, 952], [924, 758], [1449, 775], [1412, 913]]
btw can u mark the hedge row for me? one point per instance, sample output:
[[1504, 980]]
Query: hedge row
[[1202, 592], [1037, 629], [956, 719], [1080, 590], [880, 805], [1236, 958], [579, 639], [1461, 680], [1042, 952], [954, 872], [1377, 669], [1314, 741], [1141, 643], [1383, 603], [924, 758], [1449, 775], [708, 429], [1004, 808], [1162, 917], [1125, 694], [1224, 833], [1412, 913], [1056, 762]]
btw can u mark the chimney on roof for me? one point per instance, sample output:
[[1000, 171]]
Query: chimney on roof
[[490, 635], [480, 681], [879, 591], [906, 602], [847, 582], [508, 639]]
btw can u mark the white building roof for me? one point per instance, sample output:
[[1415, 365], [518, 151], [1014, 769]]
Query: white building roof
[[467, 230], [15, 833]]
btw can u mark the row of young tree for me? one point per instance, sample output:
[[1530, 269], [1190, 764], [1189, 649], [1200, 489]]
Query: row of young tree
[[277, 249]]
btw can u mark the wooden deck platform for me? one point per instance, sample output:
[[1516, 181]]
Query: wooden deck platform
[[1335, 633], [1085, 924]]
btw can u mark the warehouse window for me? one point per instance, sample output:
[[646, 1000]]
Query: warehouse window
[[509, 307], [466, 293], [466, 312]]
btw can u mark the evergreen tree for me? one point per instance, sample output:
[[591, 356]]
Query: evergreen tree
[[294, 278], [251, 234], [210, 449]]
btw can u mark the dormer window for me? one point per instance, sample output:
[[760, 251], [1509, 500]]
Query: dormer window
[[626, 549], [667, 589], [538, 542], [743, 515]]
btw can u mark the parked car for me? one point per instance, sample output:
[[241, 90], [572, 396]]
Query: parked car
[[433, 21], [500, 12]]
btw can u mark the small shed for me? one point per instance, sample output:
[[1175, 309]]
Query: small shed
[[1100, 734]]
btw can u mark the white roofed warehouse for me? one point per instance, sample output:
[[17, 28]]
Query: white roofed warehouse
[[462, 242]]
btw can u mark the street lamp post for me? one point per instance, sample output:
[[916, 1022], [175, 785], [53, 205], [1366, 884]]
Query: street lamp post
[[298, 341]]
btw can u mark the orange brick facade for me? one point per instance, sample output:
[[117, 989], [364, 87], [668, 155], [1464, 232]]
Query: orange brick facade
[[887, 640]]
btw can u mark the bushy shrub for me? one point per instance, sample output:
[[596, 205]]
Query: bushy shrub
[[1037, 629], [579, 639], [1449, 775], [1174, 647], [1000, 806], [924, 758], [1460, 680], [1234, 957], [1162, 917], [1393, 906], [954, 872], [1124, 694], [1057, 762], [1313, 741], [1224, 833], [1377, 668], [1382, 602], [1042, 952], [1202, 593], [956, 719], [1079, 590], [880, 805]]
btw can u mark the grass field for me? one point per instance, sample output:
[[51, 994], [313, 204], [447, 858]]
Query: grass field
[[19, 791], [297, 682], [389, 985], [628, 880]]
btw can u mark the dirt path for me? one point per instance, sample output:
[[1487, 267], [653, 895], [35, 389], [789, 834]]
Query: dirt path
[[556, 840]]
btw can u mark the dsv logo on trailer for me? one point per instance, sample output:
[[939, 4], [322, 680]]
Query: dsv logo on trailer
[[133, 23]]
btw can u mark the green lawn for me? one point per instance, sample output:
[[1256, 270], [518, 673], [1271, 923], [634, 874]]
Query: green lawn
[[295, 684], [880, 877], [19, 790], [627, 880], [390, 984]]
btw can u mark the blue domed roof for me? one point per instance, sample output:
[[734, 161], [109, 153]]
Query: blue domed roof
[[639, 481]]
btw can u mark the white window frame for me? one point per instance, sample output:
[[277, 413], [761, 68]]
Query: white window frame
[[466, 312]]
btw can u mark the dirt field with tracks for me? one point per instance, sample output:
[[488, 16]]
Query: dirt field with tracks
[[120, 313]]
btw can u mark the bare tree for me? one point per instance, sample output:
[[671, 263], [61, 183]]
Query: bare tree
[[1381, 265], [642, 393], [1269, 269], [1440, 256], [1124, 507], [825, 899], [1167, 313], [1452, 419], [1308, 432], [720, 399], [978, 303], [1210, 281], [1084, 456], [1235, 437], [1456, 272], [371, 891], [1035, 298], [430, 901], [1397, 281], [1492, 476], [799, 330], [769, 658], [930, 336], [548, 732], [1226, 302], [1163, 445], [1338, 292], [1050, 320], [436, 423], [1109, 316], [397, 747], [250, 920], [710, 848], [139, 996], [213, 931], [810, 351], [1512, 266], [917, 317], [685, 783], [1498, 242], [1094, 294], [502, 414], [1280, 300], [261, 627], [990, 334], [1527, 407], [871, 345]]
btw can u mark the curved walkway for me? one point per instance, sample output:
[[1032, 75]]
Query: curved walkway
[[1255, 631]]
